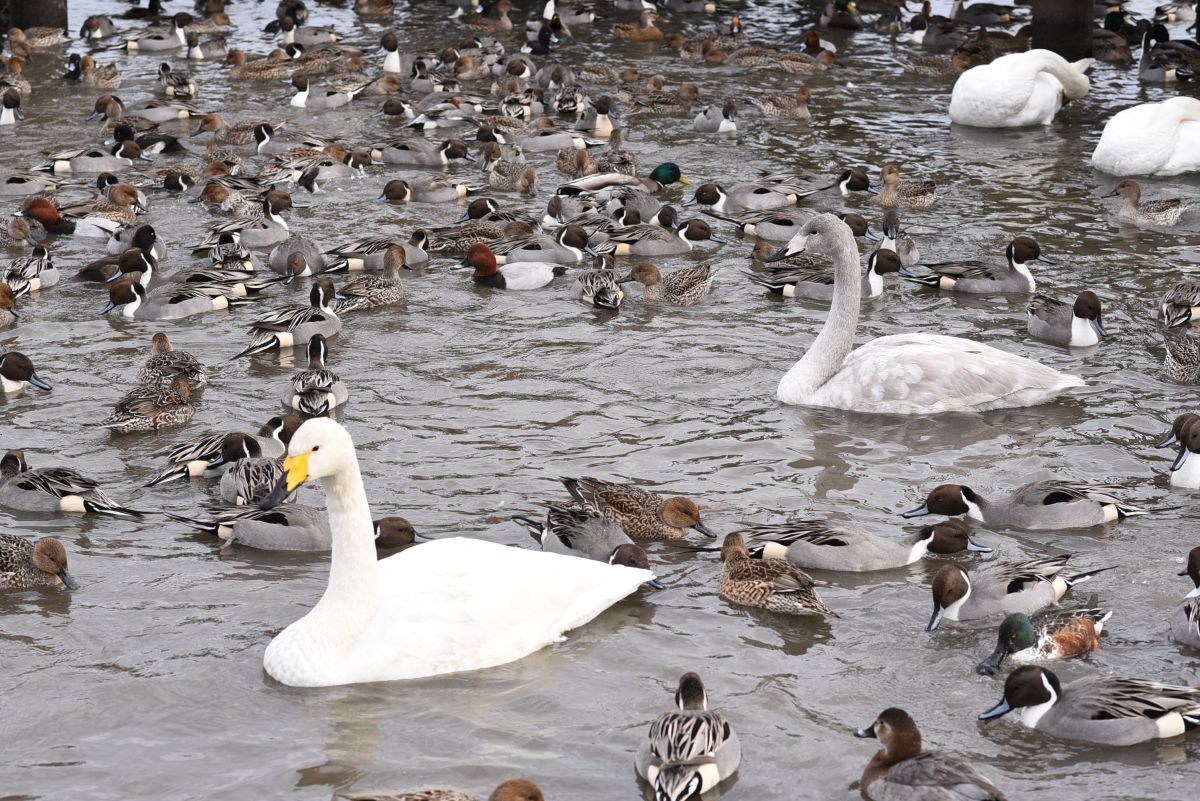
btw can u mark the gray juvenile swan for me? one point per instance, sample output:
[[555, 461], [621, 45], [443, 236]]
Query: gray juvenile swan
[[903, 373]]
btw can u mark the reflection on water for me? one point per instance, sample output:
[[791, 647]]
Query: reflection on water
[[468, 404]]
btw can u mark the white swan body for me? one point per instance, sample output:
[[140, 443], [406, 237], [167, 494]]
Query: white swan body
[[1151, 139], [440, 607], [1018, 90], [904, 373]]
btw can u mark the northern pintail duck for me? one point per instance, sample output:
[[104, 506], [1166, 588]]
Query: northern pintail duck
[[1185, 620], [748, 196], [97, 26], [31, 273], [213, 49], [897, 240], [996, 588], [193, 458], [921, 197], [902, 771], [510, 790], [52, 489], [150, 40], [1165, 211], [690, 751], [683, 287], [1181, 302], [286, 527], [152, 408], [92, 159], [174, 83], [262, 231], [1105, 710], [17, 373], [10, 107], [239, 133], [772, 584], [816, 281], [251, 477], [43, 37], [438, 189], [643, 515], [825, 545], [577, 532], [8, 304], [717, 119], [643, 31], [25, 565], [892, 374], [617, 158], [113, 110], [333, 96], [518, 275], [85, 70], [292, 326], [167, 302], [369, 292], [841, 14], [25, 183], [1185, 470], [655, 240], [165, 363], [16, 233], [421, 152], [1064, 635], [786, 106], [307, 35], [316, 390], [985, 278], [1076, 325], [1033, 506], [567, 245], [660, 177], [599, 288]]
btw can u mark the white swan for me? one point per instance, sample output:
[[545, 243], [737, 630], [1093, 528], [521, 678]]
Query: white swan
[[1151, 139], [441, 607], [905, 373], [1018, 90]]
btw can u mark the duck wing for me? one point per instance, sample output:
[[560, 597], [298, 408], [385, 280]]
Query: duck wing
[[1048, 309], [953, 775]]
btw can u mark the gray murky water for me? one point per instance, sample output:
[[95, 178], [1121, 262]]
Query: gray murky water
[[147, 682]]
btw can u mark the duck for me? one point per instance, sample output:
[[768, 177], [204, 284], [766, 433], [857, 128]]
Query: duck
[[748, 196], [599, 288], [167, 302], [846, 548], [1183, 11], [1074, 325], [1018, 90], [92, 159], [150, 40], [1185, 471], [316, 390], [293, 326], [214, 49], [1181, 303], [43, 37], [1162, 65], [902, 770], [421, 152], [577, 532], [772, 584], [1181, 363], [287, 527], [567, 245], [510, 790], [307, 35], [329, 98], [173, 83], [689, 751], [8, 305], [25, 565], [249, 478], [976, 278], [17, 373], [617, 158], [1057, 636], [995, 588], [25, 183], [371, 292], [152, 408], [815, 281], [247, 132], [879, 376], [31, 273], [1103, 710], [1185, 620], [534, 599], [517, 275], [1164, 212], [717, 119], [46, 214], [1151, 139], [1038, 505], [841, 14], [655, 240], [262, 231], [296, 244], [642, 514], [644, 31], [14, 78], [97, 26], [785, 106], [195, 457], [145, 113], [85, 70], [683, 287], [894, 194], [660, 177], [53, 489]]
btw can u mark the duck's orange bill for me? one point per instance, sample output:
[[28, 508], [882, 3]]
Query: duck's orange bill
[[296, 468]]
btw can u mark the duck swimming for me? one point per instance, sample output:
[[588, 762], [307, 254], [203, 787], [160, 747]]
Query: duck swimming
[[1018, 90], [903, 373], [410, 615], [25, 565]]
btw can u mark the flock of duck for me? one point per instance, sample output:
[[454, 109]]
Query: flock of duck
[[496, 94]]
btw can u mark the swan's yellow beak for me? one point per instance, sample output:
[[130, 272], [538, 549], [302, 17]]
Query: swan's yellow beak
[[296, 468]]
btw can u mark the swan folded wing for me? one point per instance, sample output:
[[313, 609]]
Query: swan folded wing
[[929, 373], [956, 777], [461, 604]]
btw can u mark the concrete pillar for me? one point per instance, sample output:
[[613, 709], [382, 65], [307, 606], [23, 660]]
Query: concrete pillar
[[1064, 26], [35, 13]]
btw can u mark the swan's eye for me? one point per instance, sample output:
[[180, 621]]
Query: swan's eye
[[316, 448]]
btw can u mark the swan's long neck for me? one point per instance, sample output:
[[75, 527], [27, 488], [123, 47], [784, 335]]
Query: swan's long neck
[[1074, 82], [353, 592], [827, 352]]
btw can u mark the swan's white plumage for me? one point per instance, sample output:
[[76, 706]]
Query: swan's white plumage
[[928, 373], [1017, 90], [440, 607], [1151, 139]]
